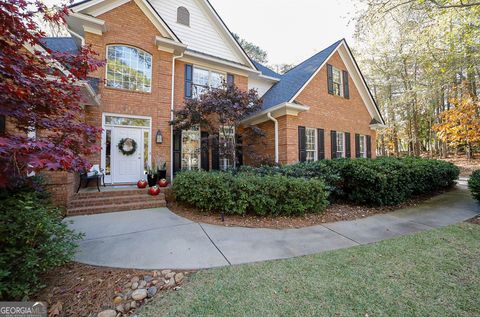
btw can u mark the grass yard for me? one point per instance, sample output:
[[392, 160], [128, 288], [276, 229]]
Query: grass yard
[[435, 273]]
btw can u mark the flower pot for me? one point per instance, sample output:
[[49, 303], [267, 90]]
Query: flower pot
[[162, 174], [142, 183], [154, 191], [152, 180]]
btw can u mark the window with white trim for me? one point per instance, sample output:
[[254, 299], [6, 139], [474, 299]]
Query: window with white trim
[[204, 78], [129, 68], [337, 81], [311, 144], [227, 147], [191, 149], [362, 140], [340, 144]]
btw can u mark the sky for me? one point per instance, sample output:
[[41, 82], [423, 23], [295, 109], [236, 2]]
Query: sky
[[289, 30]]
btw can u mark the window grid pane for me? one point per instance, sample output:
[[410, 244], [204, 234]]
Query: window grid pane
[[227, 143], [340, 144], [311, 144], [337, 82], [362, 146], [191, 149], [129, 68]]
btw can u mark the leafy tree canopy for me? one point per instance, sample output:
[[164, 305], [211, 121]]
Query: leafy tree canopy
[[40, 95]]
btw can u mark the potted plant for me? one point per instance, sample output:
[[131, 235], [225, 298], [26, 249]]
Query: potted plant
[[152, 176], [161, 168]]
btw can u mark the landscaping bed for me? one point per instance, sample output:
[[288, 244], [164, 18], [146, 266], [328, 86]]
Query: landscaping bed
[[334, 212], [352, 187], [83, 290]]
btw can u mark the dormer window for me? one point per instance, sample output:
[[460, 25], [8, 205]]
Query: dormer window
[[183, 16]]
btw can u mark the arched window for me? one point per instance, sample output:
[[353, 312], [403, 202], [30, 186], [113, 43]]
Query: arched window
[[129, 68], [183, 16]]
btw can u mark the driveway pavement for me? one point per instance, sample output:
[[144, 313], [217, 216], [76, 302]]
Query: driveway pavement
[[158, 239]]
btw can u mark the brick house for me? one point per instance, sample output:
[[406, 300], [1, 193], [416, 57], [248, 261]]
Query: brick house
[[160, 52]]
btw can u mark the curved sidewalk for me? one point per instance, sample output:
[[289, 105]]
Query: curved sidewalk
[[158, 239]]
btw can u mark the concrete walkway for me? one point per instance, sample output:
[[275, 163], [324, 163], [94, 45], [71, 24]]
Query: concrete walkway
[[158, 239]]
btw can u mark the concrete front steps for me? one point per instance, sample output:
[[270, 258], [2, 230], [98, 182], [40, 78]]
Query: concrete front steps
[[88, 203]]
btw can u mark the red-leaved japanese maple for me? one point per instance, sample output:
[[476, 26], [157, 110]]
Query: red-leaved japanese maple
[[39, 92], [216, 111]]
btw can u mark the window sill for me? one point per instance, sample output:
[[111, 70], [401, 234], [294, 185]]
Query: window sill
[[128, 90]]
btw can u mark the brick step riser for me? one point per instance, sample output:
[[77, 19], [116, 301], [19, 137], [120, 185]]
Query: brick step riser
[[105, 209], [82, 202], [113, 193]]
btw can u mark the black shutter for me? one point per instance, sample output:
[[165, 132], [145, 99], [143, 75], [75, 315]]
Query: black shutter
[[177, 151], [188, 80], [239, 150], [333, 139], [204, 156], [357, 145], [369, 146], [321, 144], [2, 125], [346, 92], [230, 80], [216, 154], [330, 79], [302, 144], [347, 145]]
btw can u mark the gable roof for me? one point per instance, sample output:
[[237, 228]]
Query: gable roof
[[292, 81], [60, 44], [266, 71], [145, 5]]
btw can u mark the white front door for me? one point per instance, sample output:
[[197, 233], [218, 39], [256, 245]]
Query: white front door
[[127, 168]]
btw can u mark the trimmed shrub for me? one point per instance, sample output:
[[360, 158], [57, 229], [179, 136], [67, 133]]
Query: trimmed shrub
[[33, 240], [383, 181], [474, 184], [247, 192]]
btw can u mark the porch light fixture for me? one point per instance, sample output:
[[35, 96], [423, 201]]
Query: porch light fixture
[[159, 137]]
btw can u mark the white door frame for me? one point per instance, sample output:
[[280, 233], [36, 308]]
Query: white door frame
[[109, 179]]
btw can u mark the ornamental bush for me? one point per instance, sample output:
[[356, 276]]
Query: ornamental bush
[[383, 181], [247, 192], [33, 240], [474, 184]]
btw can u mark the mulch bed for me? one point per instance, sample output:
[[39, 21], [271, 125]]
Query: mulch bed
[[84, 290], [334, 212], [475, 220]]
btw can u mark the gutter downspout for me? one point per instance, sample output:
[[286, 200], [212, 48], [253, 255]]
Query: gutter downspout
[[171, 112], [275, 121]]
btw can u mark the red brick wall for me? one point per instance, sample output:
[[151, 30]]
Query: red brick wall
[[328, 112], [128, 25]]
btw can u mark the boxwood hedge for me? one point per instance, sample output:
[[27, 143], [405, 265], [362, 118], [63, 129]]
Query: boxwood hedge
[[239, 193], [383, 181], [304, 187], [474, 184]]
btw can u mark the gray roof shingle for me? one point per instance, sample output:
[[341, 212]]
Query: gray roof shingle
[[266, 71], [292, 81], [60, 44]]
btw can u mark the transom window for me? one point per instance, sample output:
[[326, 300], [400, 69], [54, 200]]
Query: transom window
[[311, 144], [362, 145], [129, 68], [337, 82], [204, 78], [340, 144], [183, 16], [227, 147]]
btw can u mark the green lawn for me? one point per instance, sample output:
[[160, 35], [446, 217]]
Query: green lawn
[[435, 273]]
